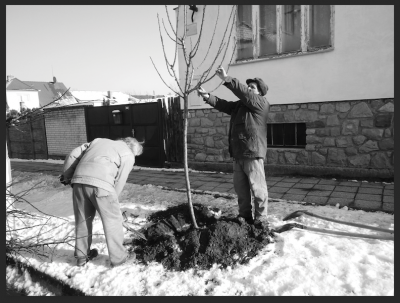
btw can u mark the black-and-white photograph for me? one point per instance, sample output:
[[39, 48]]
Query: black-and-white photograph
[[199, 150]]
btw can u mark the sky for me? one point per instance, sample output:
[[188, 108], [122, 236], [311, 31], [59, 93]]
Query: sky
[[89, 47], [297, 263]]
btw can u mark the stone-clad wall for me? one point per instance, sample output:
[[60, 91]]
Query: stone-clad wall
[[348, 138]]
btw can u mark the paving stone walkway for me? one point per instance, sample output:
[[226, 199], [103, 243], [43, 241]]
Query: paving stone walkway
[[355, 194]]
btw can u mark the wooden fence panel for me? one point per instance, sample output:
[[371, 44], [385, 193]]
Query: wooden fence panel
[[173, 130], [28, 139]]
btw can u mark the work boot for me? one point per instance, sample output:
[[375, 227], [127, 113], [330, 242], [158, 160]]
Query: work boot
[[261, 223], [257, 224], [93, 253], [241, 220]]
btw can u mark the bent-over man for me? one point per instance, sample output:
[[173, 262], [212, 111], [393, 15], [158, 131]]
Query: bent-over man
[[97, 172]]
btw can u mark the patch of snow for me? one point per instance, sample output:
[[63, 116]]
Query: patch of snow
[[298, 263], [21, 280]]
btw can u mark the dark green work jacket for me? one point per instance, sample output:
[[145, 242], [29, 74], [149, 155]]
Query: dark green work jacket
[[248, 123]]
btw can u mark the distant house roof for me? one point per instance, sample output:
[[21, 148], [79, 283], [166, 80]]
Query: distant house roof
[[48, 91], [68, 106], [90, 95], [147, 96], [16, 84], [112, 96]]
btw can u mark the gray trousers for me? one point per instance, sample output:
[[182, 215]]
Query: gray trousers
[[87, 200], [248, 180]]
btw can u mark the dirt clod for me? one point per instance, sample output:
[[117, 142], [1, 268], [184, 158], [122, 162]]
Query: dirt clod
[[172, 241]]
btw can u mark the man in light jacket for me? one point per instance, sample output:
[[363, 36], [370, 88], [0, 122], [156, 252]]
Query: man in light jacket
[[247, 141], [97, 172]]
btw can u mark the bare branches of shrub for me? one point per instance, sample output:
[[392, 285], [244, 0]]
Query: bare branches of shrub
[[32, 232]]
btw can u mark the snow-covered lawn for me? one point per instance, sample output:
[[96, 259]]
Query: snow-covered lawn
[[301, 263]]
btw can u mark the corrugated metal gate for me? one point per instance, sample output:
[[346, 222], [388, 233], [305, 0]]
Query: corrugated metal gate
[[143, 121]]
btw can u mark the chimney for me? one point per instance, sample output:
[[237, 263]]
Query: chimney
[[9, 78], [54, 80]]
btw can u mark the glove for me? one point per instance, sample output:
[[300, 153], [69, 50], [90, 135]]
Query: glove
[[63, 181]]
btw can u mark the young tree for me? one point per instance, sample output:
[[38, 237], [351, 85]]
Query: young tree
[[189, 47]]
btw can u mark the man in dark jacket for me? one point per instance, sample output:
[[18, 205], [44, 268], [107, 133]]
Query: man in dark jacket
[[247, 141], [97, 172]]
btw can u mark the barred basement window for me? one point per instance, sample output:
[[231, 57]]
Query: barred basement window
[[286, 134]]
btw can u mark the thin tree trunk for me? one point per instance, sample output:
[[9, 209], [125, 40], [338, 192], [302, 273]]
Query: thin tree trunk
[[185, 160]]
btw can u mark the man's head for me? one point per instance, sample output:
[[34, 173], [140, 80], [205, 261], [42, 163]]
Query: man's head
[[258, 86], [133, 144]]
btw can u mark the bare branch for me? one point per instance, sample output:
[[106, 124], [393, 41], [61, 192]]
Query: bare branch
[[169, 20], [13, 121], [40, 210], [176, 36], [163, 47], [212, 38], [164, 81], [229, 40], [196, 46], [206, 73], [227, 70], [185, 54], [233, 13], [167, 32], [170, 67]]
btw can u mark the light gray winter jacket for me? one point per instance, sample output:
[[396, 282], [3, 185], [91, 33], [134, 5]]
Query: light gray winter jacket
[[103, 163]]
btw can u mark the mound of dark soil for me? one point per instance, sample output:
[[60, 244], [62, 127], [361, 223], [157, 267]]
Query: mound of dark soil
[[172, 241]]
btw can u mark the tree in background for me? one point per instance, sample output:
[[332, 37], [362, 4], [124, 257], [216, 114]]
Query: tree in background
[[206, 73]]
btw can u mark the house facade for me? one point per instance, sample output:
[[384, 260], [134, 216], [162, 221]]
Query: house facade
[[330, 73], [35, 94], [20, 95]]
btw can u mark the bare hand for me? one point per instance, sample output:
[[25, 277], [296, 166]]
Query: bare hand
[[221, 73]]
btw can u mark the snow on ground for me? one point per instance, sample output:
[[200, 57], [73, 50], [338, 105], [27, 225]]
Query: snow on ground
[[21, 280], [300, 263]]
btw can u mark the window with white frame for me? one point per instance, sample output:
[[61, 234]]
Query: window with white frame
[[265, 31]]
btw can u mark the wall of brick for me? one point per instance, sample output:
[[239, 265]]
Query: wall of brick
[[344, 138], [65, 130]]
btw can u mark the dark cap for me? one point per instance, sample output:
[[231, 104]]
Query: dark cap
[[262, 87]]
